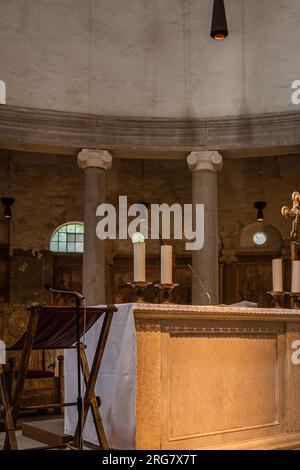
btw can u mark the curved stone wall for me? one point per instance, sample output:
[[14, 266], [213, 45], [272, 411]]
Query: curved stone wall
[[149, 57]]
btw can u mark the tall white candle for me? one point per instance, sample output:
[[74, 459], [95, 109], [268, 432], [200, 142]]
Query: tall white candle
[[296, 276], [166, 264], [139, 262], [277, 275]]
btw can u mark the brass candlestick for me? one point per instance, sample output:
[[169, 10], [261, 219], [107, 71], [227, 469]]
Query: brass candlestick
[[139, 287], [295, 299], [166, 291], [277, 298]]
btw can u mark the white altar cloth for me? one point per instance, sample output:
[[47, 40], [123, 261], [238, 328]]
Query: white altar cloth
[[116, 383]]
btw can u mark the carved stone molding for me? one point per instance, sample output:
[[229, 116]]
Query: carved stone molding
[[147, 325], [216, 330], [69, 132], [228, 257], [17, 322], [195, 312]]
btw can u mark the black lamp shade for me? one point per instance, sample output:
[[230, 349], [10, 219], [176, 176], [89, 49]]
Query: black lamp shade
[[7, 202], [260, 206], [219, 29], [7, 212]]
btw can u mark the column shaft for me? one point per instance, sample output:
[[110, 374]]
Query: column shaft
[[205, 284], [94, 163], [93, 273]]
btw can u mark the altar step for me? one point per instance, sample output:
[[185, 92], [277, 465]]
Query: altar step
[[50, 432]]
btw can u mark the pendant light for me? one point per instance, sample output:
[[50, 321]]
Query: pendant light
[[219, 30], [7, 202], [260, 206]]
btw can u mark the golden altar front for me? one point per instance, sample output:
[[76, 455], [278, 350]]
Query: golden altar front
[[217, 377]]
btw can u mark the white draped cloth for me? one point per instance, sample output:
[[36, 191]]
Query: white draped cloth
[[116, 382]]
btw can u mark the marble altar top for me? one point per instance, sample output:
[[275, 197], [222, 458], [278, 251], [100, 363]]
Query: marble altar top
[[218, 312]]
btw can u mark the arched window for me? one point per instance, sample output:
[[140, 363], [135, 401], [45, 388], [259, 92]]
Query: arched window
[[68, 238]]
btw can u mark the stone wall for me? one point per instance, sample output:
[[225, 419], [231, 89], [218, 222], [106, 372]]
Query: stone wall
[[244, 181], [149, 58], [48, 190]]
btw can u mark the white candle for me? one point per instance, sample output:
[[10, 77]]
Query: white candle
[[139, 262], [277, 275], [296, 276], [166, 264]]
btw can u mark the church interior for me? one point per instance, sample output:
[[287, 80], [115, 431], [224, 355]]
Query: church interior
[[174, 102]]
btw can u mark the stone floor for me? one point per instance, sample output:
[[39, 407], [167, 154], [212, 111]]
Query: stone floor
[[23, 441], [53, 425]]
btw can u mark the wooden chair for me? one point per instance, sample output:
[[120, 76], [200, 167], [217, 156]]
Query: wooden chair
[[55, 328], [42, 386]]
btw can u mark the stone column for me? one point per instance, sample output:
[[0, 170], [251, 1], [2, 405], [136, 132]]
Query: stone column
[[94, 163], [205, 284]]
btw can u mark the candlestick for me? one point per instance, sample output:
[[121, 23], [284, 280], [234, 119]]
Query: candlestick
[[166, 264], [295, 276], [277, 275], [295, 299], [277, 298], [140, 288], [166, 292], [139, 262]]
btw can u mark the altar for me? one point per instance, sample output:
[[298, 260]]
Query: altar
[[196, 377]]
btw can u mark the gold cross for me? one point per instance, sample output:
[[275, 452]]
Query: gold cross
[[294, 214]]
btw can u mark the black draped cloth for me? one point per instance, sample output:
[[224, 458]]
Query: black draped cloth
[[56, 327]]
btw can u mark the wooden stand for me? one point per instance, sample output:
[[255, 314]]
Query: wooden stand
[[35, 333], [8, 418]]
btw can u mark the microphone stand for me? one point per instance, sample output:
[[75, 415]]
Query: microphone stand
[[200, 282], [78, 300]]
